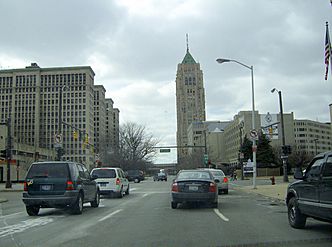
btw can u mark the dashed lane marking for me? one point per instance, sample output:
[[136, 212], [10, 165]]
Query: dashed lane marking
[[110, 215], [221, 216]]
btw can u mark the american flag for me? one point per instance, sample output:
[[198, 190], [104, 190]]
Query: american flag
[[327, 50]]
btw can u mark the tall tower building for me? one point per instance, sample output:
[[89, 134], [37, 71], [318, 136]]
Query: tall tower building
[[190, 99]]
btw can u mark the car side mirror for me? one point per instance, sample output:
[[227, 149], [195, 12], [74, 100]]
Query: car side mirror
[[217, 180], [298, 174]]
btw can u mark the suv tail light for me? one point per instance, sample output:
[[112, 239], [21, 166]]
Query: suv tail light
[[225, 180], [213, 187], [175, 187], [118, 182], [25, 186], [70, 185]]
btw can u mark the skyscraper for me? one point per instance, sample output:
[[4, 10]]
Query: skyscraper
[[190, 99]]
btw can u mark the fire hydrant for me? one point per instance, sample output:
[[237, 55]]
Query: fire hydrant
[[273, 181]]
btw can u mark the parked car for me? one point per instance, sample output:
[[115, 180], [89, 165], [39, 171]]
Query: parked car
[[311, 195], [59, 184], [135, 175], [160, 176], [194, 186], [111, 181], [223, 180]]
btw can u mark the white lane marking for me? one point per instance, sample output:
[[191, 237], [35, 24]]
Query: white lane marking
[[132, 189], [24, 225], [10, 215], [145, 195], [221, 216], [110, 215]]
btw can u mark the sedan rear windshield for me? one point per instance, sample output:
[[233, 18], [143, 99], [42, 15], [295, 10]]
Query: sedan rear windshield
[[48, 170], [194, 175], [104, 173], [218, 173]]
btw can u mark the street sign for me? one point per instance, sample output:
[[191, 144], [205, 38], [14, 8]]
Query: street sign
[[165, 150], [58, 138], [253, 134]]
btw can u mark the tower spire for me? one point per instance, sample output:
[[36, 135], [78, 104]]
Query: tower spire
[[187, 43]]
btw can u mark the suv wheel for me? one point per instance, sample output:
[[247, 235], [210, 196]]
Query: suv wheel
[[136, 180], [121, 193], [78, 205], [32, 210], [295, 217], [127, 191], [95, 202]]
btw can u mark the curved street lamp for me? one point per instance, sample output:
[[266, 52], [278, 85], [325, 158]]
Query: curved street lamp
[[254, 147]]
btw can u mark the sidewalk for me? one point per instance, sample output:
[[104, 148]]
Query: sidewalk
[[16, 187], [277, 191]]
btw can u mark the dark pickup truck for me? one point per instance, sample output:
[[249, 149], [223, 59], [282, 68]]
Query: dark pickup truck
[[311, 194]]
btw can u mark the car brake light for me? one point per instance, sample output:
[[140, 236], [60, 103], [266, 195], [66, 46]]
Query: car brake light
[[70, 185], [25, 186], [225, 180], [175, 187], [118, 181], [213, 187]]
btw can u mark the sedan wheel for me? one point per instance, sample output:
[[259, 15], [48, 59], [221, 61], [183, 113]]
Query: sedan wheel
[[174, 205]]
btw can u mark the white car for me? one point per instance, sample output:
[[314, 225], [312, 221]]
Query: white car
[[111, 180], [223, 180]]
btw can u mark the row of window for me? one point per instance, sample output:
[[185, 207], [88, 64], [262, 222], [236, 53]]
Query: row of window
[[52, 80]]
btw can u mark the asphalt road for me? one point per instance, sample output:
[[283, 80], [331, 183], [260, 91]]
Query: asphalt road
[[145, 218]]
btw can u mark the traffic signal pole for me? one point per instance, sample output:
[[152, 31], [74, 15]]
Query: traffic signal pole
[[8, 153]]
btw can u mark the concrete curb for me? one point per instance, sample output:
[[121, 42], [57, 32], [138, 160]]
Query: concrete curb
[[11, 190]]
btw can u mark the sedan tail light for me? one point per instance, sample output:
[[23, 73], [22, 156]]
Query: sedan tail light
[[225, 180], [213, 187], [175, 187], [70, 185]]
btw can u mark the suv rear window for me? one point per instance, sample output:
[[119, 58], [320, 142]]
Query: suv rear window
[[48, 170], [104, 173]]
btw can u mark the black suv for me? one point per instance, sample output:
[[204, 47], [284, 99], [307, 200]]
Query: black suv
[[311, 196], [59, 184]]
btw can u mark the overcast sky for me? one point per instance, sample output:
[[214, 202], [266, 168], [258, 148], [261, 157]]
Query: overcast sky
[[134, 47]]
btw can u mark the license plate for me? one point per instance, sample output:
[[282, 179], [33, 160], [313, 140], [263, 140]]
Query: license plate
[[102, 185], [193, 188], [46, 187]]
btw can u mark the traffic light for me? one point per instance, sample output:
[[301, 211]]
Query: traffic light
[[3, 153], [287, 149]]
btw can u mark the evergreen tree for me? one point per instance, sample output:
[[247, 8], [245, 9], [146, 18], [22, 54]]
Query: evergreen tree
[[265, 153]]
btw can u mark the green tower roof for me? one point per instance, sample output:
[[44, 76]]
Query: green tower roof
[[188, 58]]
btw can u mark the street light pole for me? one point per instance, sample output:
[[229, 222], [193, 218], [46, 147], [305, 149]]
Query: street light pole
[[284, 157], [254, 147]]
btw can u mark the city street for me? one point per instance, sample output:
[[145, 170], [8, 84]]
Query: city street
[[145, 218]]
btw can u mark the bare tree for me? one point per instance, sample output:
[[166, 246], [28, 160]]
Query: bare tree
[[136, 147]]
